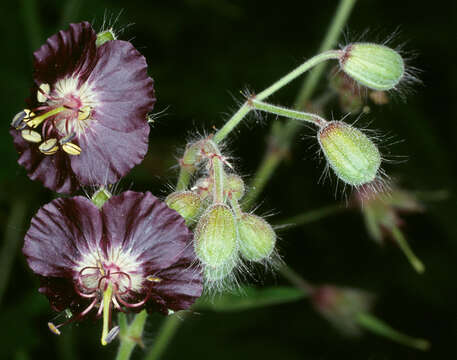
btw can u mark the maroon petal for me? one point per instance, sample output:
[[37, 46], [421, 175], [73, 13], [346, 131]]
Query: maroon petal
[[148, 228], [60, 233], [66, 53], [180, 287], [125, 92], [53, 171], [108, 155], [61, 293]]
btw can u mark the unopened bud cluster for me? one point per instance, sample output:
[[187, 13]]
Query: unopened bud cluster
[[224, 235]]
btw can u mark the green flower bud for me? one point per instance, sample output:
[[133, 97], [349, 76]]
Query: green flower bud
[[203, 187], [374, 66], [105, 36], [257, 237], [186, 203], [234, 186], [215, 239], [216, 274], [341, 306], [349, 152], [100, 196]]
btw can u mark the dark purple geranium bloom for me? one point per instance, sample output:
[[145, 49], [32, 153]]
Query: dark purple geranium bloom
[[87, 117], [133, 253]]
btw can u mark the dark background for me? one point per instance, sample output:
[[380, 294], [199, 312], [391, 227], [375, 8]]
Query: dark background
[[201, 53]]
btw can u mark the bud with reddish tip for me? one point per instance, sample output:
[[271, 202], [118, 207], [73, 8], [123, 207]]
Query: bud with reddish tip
[[341, 306], [257, 237], [216, 235], [349, 152], [377, 67], [186, 203]]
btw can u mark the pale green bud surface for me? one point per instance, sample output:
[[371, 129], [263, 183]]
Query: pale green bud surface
[[213, 274], [349, 152], [234, 186], [215, 239], [100, 197], [257, 237], [375, 66], [104, 36], [186, 203]]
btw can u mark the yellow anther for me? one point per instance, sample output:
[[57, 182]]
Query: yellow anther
[[153, 278], [67, 138], [44, 90], [71, 149], [53, 328], [31, 136], [49, 147], [20, 119], [100, 267], [84, 113]]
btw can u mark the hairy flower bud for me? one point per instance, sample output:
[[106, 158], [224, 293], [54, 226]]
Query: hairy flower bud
[[186, 203], [257, 238], [100, 197], [234, 186], [216, 236], [105, 36], [349, 152], [375, 66]]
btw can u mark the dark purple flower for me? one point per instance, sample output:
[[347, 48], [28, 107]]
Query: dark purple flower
[[87, 117], [133, 253]]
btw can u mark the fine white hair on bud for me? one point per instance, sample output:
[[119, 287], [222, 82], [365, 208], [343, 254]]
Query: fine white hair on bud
[[354, 158], [375, 66], [216, 236], [257, 238]]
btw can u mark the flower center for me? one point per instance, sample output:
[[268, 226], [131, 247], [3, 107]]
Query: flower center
[[110, 285], [65, 112]]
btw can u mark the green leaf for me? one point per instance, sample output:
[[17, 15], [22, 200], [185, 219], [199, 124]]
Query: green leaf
[[249, 298]]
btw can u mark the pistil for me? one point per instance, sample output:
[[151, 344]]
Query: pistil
[[107, 296], [37, 120]]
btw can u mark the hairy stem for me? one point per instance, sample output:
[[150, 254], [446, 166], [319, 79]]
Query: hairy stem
[[284, 135], [245, 108], [289, 113]]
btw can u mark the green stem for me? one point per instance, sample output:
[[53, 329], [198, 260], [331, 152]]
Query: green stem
[[11, 240], [185, 174], [380, 328], [267, 167], [231, 123], [289, 113], [310, 216], [285, 135], [308, 64], [166, 333], [333, 33], [242, 112], [131, 336], [218, 174], [296, 280], [404, 246]]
